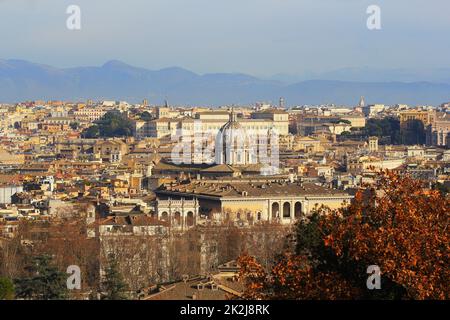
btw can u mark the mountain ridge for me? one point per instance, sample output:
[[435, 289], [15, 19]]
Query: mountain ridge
[[22, 80]]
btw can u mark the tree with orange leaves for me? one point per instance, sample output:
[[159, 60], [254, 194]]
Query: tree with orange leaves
[[395, 224]]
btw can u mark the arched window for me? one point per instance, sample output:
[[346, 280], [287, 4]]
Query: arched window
[[190, 219], [275, 210], [298, 210], [177, 218], [286, 210]]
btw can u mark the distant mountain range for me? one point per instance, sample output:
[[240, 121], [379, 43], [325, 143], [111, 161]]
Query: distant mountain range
[[22, 80], [366, 74]]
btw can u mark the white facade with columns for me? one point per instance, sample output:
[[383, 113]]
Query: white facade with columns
[[182, 214]]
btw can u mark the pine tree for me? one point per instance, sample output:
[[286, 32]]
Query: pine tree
[[6, 289], [44, 281], [114, 285]]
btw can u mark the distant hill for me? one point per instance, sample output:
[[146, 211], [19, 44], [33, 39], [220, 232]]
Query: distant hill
[[22, 80], [366, 74]]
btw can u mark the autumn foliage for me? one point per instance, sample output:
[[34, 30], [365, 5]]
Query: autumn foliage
[[396, 224]]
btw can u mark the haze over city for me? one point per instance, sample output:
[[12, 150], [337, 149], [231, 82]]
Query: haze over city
[[257, 37]]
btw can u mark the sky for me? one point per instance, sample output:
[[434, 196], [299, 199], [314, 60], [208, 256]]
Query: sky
[[259, 37]]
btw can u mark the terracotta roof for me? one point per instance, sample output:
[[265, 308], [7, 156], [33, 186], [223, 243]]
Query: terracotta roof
[[246, 189], [221, 168], [200, 287]]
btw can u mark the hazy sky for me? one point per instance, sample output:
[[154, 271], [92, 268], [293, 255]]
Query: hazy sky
[[259, 37]]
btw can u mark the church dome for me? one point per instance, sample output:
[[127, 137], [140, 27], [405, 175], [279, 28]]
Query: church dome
[[230, 126], [233, 144]]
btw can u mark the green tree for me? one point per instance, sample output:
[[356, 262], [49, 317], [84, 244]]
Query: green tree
[[444, 189], [113, 124], [114, 285], [74, 125], [44, 281], [6, 289], [386, 127], [146, 116], [91, 133]]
